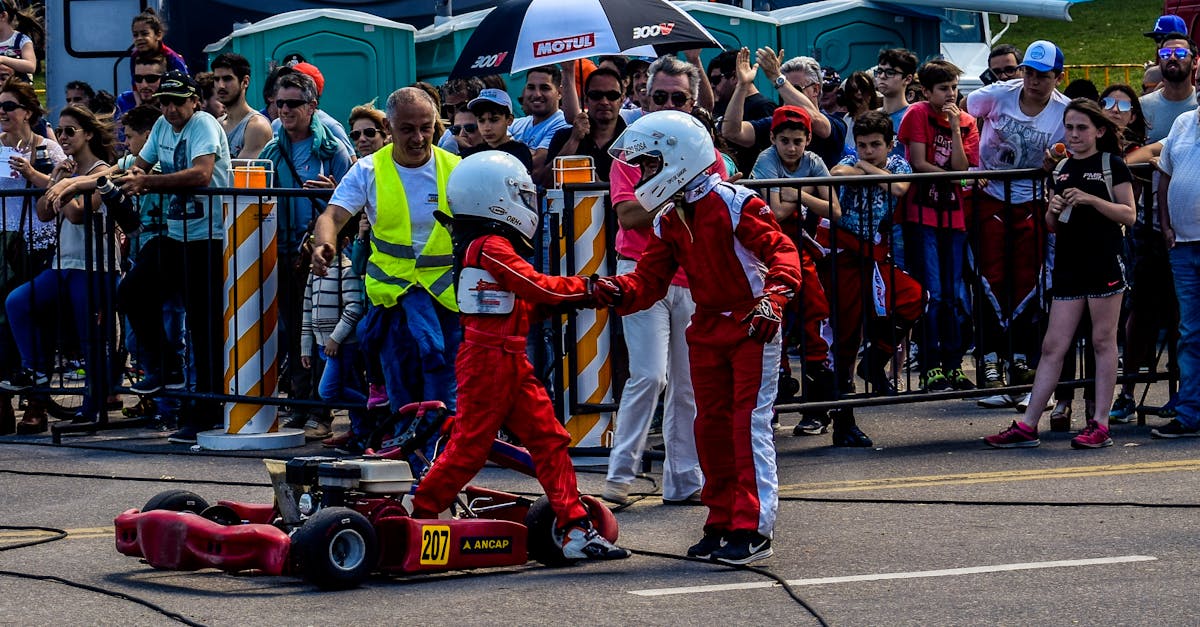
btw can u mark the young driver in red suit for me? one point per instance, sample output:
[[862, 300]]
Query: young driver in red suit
[[742, 270]]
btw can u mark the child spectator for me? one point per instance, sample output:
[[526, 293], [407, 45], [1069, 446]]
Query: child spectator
[[856, 96], [493, 110], [1092, 197], [333, 305], [148, 32], [21, 36], [79, 93], [787, 157], [860, 255], [939, 138]]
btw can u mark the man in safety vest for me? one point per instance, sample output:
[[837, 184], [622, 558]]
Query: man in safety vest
[[412, 322]]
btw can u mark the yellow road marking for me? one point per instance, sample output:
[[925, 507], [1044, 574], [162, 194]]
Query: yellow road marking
[[1070, 472], [33, 534]]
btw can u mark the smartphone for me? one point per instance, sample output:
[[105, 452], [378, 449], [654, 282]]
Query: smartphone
[[988, 77]]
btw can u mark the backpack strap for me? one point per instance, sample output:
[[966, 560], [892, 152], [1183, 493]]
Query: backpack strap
[[1106, 170]]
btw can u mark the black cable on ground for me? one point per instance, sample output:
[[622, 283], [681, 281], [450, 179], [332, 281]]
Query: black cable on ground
[[758, 571], [59, 534]]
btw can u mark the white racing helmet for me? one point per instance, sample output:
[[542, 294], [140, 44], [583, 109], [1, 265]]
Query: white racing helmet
[[494, 185], [678, 141]]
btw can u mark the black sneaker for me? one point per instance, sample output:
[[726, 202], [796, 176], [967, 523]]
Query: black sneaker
[[810, 426], [1175, 429], [743, 547], [186, 435], [24, 380], [710, 543], [851, 435]]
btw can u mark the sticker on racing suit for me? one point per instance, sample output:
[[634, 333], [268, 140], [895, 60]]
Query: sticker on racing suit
[[435, 545], [479, 293]]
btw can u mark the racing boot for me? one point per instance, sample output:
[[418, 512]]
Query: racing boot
[[845, 430], [872, 369], [818, 387], [581, 541]]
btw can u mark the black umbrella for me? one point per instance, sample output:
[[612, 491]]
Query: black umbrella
[[522, 34]]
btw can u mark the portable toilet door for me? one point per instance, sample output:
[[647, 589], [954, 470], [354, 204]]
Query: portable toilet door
[[361, 56], [847, 35], [439, 45], [733, 28]]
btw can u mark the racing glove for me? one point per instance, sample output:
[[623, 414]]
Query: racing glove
[[767, 316], [606, 291]]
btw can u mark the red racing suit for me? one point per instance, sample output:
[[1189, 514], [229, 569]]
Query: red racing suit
[[732, 250], [497, 387]]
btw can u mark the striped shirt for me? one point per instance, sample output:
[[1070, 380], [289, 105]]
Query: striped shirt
[[332, 306]]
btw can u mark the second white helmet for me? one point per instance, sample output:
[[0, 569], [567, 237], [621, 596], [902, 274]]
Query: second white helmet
[[494, 185], [681, 145]]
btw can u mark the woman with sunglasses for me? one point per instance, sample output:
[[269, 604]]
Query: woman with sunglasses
[[368, 129], [465, 128], [34, 307]]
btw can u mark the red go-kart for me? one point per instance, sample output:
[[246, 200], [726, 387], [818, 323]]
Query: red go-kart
[[334, 522]]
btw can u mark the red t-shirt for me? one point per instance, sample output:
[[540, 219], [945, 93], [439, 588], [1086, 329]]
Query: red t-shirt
[[937, 204]]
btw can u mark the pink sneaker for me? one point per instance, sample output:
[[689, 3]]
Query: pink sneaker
[[1092, 436], [1016, 436], [376, 396]]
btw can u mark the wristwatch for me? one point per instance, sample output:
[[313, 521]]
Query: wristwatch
[[779, 81]]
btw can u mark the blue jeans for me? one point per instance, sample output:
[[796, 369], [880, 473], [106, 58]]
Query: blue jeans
[[173, 324], [341, 382], [1185, 265], [935, 260]]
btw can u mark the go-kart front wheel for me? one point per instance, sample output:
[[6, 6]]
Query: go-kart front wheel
[[336, 549], [176, 501], [543, 544]]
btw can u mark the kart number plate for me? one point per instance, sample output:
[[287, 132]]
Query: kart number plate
[[435, 545]]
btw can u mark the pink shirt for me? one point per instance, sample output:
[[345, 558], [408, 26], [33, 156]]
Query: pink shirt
[[622, 179]]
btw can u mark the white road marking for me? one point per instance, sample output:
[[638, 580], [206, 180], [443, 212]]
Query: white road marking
[[948, 572]]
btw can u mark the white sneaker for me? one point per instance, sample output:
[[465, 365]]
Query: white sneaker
[[580, 543], [1023, 403], [616, 492], [998, 401]]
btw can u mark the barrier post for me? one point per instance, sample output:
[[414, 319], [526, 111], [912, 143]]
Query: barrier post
[[591, 371], [251, 290]]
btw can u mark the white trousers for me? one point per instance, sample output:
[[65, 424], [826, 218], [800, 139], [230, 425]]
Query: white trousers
[[658, 360]]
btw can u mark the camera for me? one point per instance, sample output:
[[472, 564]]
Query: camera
[[120, 207]]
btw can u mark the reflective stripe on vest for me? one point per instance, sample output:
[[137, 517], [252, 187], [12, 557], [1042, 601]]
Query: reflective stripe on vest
[[394, 265]]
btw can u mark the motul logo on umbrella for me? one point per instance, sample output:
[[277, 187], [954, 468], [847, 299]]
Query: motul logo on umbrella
[[563, 44], [654, 30]]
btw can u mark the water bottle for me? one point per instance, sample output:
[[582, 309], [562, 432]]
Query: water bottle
[[41, 160], [120, 207]]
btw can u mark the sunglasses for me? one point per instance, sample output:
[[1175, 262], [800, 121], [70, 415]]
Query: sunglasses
[[146, 78], [716, 79], [370, 132], [292, 103], [1008, 70], [9, 106], [1124, 106], [881, 72], [1178, 53], [456, 129], [175, 101], [678, 98], [596, 94], [66, 131]]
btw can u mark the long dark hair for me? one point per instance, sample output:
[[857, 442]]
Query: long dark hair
[[1135, 132], [29, 22], [103, 139], [1111, 140]]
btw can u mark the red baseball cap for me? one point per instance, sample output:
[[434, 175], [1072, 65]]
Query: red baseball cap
[[790, 113], [314, 73]]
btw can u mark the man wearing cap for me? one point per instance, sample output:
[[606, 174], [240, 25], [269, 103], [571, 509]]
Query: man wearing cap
[[655, 336], [1177, 95], [191, 150], [493, 112], [304, 156], [1167, 27], [543, 92], [1021, 121], [412, 322]]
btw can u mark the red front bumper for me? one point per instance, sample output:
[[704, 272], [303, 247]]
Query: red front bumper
[[185, 541]]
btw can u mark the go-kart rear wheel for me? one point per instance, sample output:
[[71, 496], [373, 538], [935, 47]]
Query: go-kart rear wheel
[[336, 549], [176, 501]]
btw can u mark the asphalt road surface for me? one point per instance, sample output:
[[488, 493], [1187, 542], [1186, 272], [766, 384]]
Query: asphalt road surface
[[929, 527]]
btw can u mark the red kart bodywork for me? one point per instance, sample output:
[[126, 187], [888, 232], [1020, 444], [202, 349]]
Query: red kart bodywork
[[187, 541]]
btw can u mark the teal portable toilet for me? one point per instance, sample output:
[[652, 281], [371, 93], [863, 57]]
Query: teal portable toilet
[[847, 35], [733, 28], [439, 45], [361, 56]]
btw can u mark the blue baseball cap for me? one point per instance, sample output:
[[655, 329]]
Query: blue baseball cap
[[1043, 56], [1168, 25], [494, 96]]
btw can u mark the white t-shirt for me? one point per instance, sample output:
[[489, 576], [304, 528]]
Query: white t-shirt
[[356, 192], [72, 241], [191, 217], [1180, 159], [1011, 140]]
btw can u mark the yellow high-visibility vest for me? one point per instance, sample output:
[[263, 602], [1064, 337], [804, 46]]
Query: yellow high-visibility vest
[[394, 265]]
